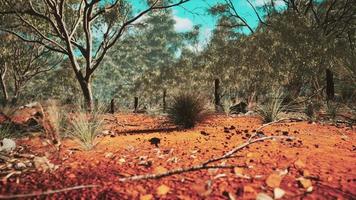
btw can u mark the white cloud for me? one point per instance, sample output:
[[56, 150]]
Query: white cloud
[[182, 24], [263, 2]]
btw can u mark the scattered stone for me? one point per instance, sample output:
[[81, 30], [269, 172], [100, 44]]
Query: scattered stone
[[263, 196], [226, 130], [249, 189], [121, 161], [232, 127], [72, 176], [162, 190], [299, 164], [109, 155], [278, 193], [155, 141], [160, 170], [204, 133], [305, 183], [7, 145], [20, 166], [146, 197], [43, 164], [274, 180]]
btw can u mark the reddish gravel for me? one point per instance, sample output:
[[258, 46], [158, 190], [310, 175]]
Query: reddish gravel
[[323, 154]]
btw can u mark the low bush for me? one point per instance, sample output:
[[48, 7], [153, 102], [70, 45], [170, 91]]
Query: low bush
[[5, 131], [273, 107], [86, 127], [187, 109]]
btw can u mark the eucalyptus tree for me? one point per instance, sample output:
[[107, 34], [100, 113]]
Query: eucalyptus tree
[[76, 28]]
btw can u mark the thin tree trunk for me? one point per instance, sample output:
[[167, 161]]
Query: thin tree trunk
[[3, 87], [135, 104], [87, 93], [330, 93], [112, 106], [164, 100], [217, 94]]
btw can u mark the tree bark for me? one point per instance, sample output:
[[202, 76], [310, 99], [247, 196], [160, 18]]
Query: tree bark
[[3, 87], [135, 104], [87, 93], [164, 100], [217, 93], [112, 106], [330, 92]]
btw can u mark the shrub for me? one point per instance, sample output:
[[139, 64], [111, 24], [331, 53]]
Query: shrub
[[58, 119], [86, 127], [332, 109], [272, 108], [5, 131], [187, 110]]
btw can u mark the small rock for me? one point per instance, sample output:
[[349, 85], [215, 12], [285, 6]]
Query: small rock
[[7, 145], [20, 166], [274, 180], [249, 189], [263, 196], [160, 170], [305, 183], [155, 141], [72, 176], [239, 171], [42, 163], [109, 155], [146, 197], [278, 193], [299, 164], [162, 190], [204, 133], [121, 161]]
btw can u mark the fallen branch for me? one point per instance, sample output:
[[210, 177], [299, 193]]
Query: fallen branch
[[203, 165], [268, 124], [238, 148], [177, 171], [47, 192]]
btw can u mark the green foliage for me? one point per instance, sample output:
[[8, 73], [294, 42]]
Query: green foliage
[[187, 109], [58, 118], [86, 127], [5, 131], [273, 107], [332, 109]]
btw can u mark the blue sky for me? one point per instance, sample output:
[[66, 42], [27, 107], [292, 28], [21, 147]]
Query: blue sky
[[195, 13]]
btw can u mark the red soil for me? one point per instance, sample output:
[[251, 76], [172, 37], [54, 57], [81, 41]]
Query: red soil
[[324, 154]]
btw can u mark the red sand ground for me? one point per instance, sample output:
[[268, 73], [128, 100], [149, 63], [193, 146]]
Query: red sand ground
[[324, 154]]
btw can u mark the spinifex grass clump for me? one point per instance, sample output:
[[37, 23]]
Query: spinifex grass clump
[[5, 131], [332, 109], [272, 108], [86, 127], [187, 109]]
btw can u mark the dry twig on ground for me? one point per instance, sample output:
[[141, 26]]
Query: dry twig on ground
[[35, 194]]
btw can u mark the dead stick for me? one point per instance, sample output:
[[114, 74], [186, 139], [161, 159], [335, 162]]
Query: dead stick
[[238, 148], [267, 124], [201, 166], [176, 171], [47, 192]]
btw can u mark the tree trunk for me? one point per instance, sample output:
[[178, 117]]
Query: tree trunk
[[330, 94], [135, 104], [87, 93], [217, 93], [4, 89], [112, 106], [164, 100]]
